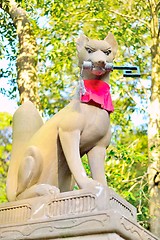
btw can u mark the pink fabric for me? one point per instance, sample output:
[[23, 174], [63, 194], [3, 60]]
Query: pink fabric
[[98, 92]]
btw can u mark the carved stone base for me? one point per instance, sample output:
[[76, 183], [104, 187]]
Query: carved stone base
[[81, 214]]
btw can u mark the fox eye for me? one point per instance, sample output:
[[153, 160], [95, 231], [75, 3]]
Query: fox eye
[[107, 52], [89, 50]]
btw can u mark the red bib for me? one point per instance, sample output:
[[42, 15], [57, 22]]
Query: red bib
[[98, 93]]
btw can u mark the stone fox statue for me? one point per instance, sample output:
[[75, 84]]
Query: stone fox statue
[[46, 158]]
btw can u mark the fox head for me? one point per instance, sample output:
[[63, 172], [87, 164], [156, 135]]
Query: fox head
[[99, 52]]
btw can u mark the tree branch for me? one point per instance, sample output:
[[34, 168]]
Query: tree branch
[[131, 17], [158, 6], [27, 56]]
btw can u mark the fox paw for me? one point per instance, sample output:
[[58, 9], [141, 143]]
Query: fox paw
[[46, 189]]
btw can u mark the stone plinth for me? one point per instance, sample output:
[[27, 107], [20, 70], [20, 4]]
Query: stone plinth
[[80, 214]]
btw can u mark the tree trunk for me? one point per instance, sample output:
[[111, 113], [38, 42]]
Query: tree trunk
[[154, 125], [27, 55]]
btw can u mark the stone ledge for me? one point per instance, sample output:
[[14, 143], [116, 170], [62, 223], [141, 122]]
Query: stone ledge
[[65, 204], [91, 224], [80, 214]]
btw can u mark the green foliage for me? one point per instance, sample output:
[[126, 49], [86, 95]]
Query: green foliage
[[126, 171], [8, 53], [5, 149]]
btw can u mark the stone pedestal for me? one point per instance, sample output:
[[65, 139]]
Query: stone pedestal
[[80, 214]]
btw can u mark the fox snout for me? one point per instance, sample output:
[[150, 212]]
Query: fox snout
[[98, 59], [100, 64]]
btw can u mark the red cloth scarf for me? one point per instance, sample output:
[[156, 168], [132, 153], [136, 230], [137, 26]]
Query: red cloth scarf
[[98, 94]]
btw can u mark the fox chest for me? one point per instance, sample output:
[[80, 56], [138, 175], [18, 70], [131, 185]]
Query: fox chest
[[97, 124]]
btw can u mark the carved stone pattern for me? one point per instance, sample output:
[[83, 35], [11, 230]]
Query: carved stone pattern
[[132, 228], [120, 206], [62, 227], [16, 214], [82, 204], [137, 231]]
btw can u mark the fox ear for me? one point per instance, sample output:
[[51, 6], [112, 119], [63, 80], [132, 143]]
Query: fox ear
[[81, 41], [112, 41]]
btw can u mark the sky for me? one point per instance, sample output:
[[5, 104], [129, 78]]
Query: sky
[[7, 105]]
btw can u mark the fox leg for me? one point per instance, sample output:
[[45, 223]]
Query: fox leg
[[70, 142], [96, 157], [29, 174]]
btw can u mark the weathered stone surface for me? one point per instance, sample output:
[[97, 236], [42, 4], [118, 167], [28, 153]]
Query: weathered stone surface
[[82, 214]]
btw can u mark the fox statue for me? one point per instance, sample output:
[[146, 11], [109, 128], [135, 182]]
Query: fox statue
[[46, 157]]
